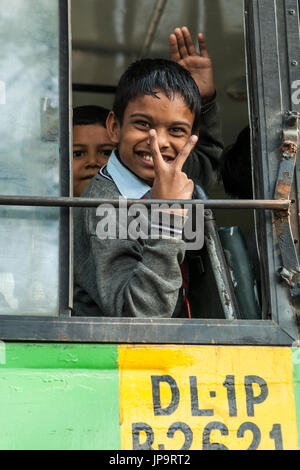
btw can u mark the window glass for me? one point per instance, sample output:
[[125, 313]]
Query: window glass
[[29, 155]]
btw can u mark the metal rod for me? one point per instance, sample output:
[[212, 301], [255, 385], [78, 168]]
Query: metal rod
[[264, 204], [220, 268], [154, 22], [90, 88]]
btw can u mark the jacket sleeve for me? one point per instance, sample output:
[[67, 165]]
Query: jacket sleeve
[[203, 162], [127, 277]]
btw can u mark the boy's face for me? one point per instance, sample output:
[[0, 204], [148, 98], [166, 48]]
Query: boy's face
[[91, 150], [172, 120]]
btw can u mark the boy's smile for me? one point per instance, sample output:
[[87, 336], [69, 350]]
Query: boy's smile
[[172, 120]]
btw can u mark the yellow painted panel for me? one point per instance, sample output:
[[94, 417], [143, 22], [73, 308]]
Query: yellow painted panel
[[203, 397]]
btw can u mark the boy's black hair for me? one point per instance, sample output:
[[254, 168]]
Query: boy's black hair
[[89, 115], [148, 76]]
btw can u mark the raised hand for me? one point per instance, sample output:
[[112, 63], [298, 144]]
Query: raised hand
[[200, 66], [169, 181]]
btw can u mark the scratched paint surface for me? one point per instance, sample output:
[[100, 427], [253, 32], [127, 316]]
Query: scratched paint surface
[[59, 397], [207, 398]]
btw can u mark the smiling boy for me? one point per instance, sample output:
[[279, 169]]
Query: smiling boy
[[91, 145], [155, 117], [171, 122], [154, 125]]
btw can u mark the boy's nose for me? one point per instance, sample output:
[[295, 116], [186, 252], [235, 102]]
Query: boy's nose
[[92, 160], [163, 138]]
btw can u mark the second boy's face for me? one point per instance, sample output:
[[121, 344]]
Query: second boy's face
[[91, 150], [173, 122]]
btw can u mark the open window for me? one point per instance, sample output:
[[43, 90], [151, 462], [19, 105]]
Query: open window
[[35, 229]]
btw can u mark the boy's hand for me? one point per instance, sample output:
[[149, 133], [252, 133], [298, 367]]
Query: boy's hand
[[199, 65], [170, 182]]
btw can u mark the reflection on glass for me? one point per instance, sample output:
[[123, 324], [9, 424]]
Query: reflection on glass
[[29, 155]]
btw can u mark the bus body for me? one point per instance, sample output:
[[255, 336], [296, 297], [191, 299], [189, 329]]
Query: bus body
[[138, 384]]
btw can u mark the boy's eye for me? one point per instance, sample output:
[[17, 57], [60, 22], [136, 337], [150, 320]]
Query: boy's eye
[[178, 130], [106, 153], [143, 124], [78, 154]]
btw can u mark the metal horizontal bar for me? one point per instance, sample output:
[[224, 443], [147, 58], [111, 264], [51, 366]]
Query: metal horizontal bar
[[143, 331], [85, 202], [90, 88]]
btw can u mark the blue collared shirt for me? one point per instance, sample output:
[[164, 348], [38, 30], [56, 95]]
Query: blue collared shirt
[[129, 185]]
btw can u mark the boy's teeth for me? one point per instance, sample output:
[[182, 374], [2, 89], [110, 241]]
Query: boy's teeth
[[148, 157]]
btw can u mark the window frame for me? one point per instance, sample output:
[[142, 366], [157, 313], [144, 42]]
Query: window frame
[[65, 100], [279, 331]]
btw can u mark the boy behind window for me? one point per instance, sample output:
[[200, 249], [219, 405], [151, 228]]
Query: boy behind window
[[91, 144], [155, 119]]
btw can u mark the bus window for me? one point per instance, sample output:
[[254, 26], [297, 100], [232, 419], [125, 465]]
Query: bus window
[[252, 90], [103, 49], [29, 156]]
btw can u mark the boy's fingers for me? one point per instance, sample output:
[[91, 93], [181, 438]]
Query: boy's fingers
[[183, 155], [181, 43], [155, 152], [202, 45], [188, 41], [174, 51]]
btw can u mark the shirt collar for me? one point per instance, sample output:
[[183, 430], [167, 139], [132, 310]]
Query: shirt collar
[[129, 185]]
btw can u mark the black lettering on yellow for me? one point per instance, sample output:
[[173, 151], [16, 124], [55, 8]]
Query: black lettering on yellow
[[137, 429], [168, 410], [195, 401], [229, 384], [186, 430], [252, 400], [255, 433], [206, 444], [276, 434]]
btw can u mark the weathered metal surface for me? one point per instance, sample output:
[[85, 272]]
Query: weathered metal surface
[[220, 267], [273, 35], [85, 202], [290, 271], [144, 331], [241, 270]]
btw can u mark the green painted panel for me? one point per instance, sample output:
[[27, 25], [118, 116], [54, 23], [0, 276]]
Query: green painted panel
[[61, 355], [296, 373], [58, 396]]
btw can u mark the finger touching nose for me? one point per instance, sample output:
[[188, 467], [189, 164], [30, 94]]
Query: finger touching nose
[[163, 139]]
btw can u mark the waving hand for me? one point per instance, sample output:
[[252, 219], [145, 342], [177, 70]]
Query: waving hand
[[199, 64]]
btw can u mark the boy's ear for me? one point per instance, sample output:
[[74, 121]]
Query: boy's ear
[[113, 128]]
